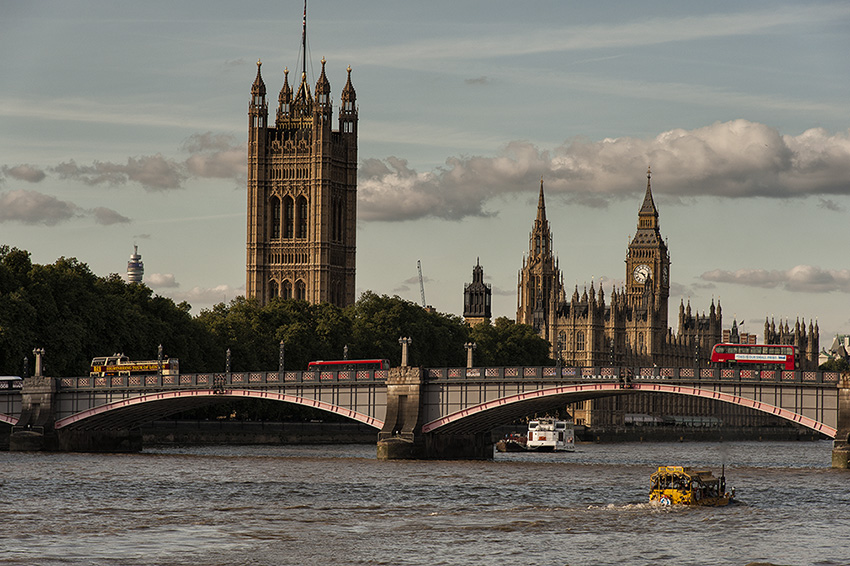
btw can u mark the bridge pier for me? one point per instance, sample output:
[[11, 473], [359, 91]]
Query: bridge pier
[[841, 445], [34, 430], [402, 437]]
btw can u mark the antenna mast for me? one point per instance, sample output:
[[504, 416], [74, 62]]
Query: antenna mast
[[421, 282], [304, 43]]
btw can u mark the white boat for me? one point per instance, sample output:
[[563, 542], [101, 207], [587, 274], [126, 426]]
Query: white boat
[[550, 435]]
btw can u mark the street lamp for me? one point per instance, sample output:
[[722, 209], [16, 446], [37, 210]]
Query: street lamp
[[470, 346], [405, 343]]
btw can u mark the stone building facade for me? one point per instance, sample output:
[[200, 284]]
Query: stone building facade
[[630, 328], [477, 298], [302, 193]]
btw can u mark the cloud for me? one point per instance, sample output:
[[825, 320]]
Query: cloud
[[799, 279], [829, 204], [216, 156], [161, 280], [33, 207], [24, 173], [211, 156], [107, 216], [737, 159], [477, 81], [154, 173]]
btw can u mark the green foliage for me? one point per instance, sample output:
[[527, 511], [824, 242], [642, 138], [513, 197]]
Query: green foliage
[[75, 315], [835, 364], [506, 343]]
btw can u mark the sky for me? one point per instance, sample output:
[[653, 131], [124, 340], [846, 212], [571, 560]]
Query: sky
[[125, 123]]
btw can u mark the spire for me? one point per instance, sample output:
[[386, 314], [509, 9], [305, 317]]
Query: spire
[[648, 206], [541, 204], [323, 88], [347, 110], [284, 100], [259, 87]]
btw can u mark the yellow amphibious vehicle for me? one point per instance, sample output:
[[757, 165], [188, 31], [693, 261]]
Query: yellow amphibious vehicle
[[678, 485]]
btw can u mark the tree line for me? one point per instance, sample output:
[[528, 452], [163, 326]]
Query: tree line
[[76, 315]]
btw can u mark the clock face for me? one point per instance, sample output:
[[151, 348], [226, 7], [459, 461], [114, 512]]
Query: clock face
[[642, 272]]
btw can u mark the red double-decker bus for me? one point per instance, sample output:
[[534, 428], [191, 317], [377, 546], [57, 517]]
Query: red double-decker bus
[[754, 356], [348, 365]]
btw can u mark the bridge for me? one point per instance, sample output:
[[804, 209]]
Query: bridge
[[416, 412]]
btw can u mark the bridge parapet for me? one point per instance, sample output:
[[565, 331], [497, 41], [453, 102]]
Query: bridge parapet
[[602, 373], [208, 380]]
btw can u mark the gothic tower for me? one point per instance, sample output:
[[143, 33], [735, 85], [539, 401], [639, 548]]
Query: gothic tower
[[648, 263], [477, 298], [302, 193], [539, 286]]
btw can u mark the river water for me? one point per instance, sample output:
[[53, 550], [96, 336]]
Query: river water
[[338, 505]]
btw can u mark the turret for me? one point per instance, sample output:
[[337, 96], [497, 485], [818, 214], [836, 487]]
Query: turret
[[348, 108], [284, 100], [323, 94], [258, 110]]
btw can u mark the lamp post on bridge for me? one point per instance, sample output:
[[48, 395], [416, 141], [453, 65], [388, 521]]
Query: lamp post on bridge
[[159, 362], [26, 367], [39, 362], [470, 346], [405, 343], [345, 352], [280, 367], [227, 363]]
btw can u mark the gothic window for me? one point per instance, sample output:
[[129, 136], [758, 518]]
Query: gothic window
[[300, 290], [580, 341], [275, 221], [287, 290], [640, 343], [302, 217], [562, 341], [289, 217], [273, 290]]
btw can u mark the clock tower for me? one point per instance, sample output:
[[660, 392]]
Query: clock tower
[[648, 261]]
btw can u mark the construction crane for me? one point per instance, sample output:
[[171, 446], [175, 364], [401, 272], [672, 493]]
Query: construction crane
[[421, 282]]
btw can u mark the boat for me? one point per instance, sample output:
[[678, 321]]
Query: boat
[[550, 435], [681, 485], [512, 443]]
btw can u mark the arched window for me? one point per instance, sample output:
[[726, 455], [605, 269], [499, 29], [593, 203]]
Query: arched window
[[302, 217], [300, 290], [640, 343], [287, 290], [273, 289], [289, 217], [580, 341], [275, 218]]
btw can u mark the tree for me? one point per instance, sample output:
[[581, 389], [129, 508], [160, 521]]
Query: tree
[[835, 364], [506, 343]]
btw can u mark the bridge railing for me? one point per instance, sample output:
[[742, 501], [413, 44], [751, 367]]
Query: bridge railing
[[510, 373], [602, 373], [260, 379]]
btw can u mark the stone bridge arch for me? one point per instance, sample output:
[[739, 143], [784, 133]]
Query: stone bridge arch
[[485, 416], [131, 412]]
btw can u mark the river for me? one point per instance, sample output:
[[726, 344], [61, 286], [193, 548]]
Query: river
[[338, 505]]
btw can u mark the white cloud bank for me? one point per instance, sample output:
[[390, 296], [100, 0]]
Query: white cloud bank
[[799, 279], [737, 159]]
